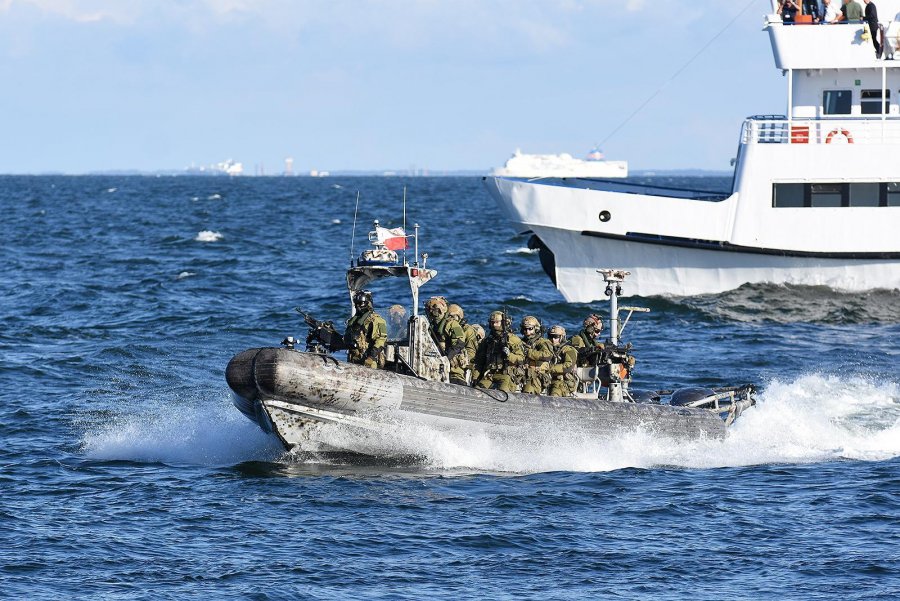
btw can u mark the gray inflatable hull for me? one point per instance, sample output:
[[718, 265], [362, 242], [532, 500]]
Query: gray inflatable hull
[[284, 390]]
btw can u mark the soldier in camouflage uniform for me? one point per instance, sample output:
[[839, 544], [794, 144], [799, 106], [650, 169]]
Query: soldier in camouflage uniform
[[366, 333], [450, 338], [456, 312], [563, 381], [479, 333], [538, 352], [397, 323], [586, 343], [499, 357]]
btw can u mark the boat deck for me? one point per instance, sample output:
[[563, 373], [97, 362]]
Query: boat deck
[[711, 189]]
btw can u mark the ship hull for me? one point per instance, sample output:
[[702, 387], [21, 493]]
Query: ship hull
[[284, 391], [684, 246], [661, 268]]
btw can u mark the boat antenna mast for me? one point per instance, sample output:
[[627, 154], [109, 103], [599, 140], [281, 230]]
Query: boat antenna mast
[[353, 234], [614, 279], [405, 262]]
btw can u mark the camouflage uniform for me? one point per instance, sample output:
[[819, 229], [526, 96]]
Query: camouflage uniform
[[538, 352], [450, 338], [471, 336], [397, 323], [499, 357], [563, 381], [585, 341], [479, 333], [366, 333]]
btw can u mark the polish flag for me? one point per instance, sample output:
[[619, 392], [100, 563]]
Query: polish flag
[[393, 239]]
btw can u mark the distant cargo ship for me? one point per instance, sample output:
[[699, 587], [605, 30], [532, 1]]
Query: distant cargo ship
[[561, 165]]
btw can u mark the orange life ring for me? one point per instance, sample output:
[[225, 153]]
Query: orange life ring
[[841, 132]]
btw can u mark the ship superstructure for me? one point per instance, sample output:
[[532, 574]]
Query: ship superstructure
[[815, 198]]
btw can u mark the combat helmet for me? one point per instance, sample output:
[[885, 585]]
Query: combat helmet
[[362, 299], [397, 311], [479, 332], [436, 302], [557, 331], [495, 315], [456, 311], [593, 322], [530, 321]]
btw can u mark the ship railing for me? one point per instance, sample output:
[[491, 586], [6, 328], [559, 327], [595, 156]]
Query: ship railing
[[872, 130]]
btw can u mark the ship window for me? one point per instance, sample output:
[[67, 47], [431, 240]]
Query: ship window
[[870, 102], [865, 195], [822, 195], [893, 194], [826, 195], [788, 195], [836, 102]]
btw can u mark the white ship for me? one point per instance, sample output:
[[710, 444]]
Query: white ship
[[561, 165], [815, 198]]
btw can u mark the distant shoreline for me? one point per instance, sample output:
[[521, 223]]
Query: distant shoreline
[[350, 173]]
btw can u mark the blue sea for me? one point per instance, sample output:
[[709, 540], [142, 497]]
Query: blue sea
[[126, 473]]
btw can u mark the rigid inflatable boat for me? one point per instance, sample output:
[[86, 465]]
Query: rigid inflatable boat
[[286, 390]]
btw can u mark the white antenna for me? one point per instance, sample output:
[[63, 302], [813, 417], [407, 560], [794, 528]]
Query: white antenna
[[405, 241], [353, 235]]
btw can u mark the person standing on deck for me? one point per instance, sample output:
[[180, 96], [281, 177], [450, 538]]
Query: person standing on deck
[[871, 17], [366, 333]]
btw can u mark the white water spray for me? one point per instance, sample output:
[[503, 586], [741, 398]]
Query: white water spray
[[211, 433], [812, 419]]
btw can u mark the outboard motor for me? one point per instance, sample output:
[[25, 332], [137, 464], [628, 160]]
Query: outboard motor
[[688, 396]]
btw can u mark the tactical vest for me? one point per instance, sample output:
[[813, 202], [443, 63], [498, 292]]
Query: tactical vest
[[355, 338]]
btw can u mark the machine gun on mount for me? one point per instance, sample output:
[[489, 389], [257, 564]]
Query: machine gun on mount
[[322, 337], [612, 363]]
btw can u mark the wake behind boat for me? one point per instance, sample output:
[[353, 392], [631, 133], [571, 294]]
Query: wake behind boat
[[286, 391], [815, 198]]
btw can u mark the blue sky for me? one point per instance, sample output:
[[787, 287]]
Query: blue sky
[[364, 84]]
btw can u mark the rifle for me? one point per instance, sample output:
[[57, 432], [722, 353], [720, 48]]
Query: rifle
[[505, 336], [322, 336]]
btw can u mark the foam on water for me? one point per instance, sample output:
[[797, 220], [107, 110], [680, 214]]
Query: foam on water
[[812, 419], [211, 433], [208, 236], [522, 250]]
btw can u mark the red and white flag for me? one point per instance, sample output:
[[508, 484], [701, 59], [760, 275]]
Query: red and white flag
[[393, 239]]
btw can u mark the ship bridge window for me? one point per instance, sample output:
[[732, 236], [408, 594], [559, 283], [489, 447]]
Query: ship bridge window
[[819, 195], [865, 195], [788, 195], [870, 102], [836, 102], [826, 195], [892, 194]]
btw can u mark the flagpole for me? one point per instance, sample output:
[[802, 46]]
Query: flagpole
[[405, 244]]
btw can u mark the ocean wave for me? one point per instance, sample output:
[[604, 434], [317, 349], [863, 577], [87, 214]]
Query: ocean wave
[[790, 304]]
